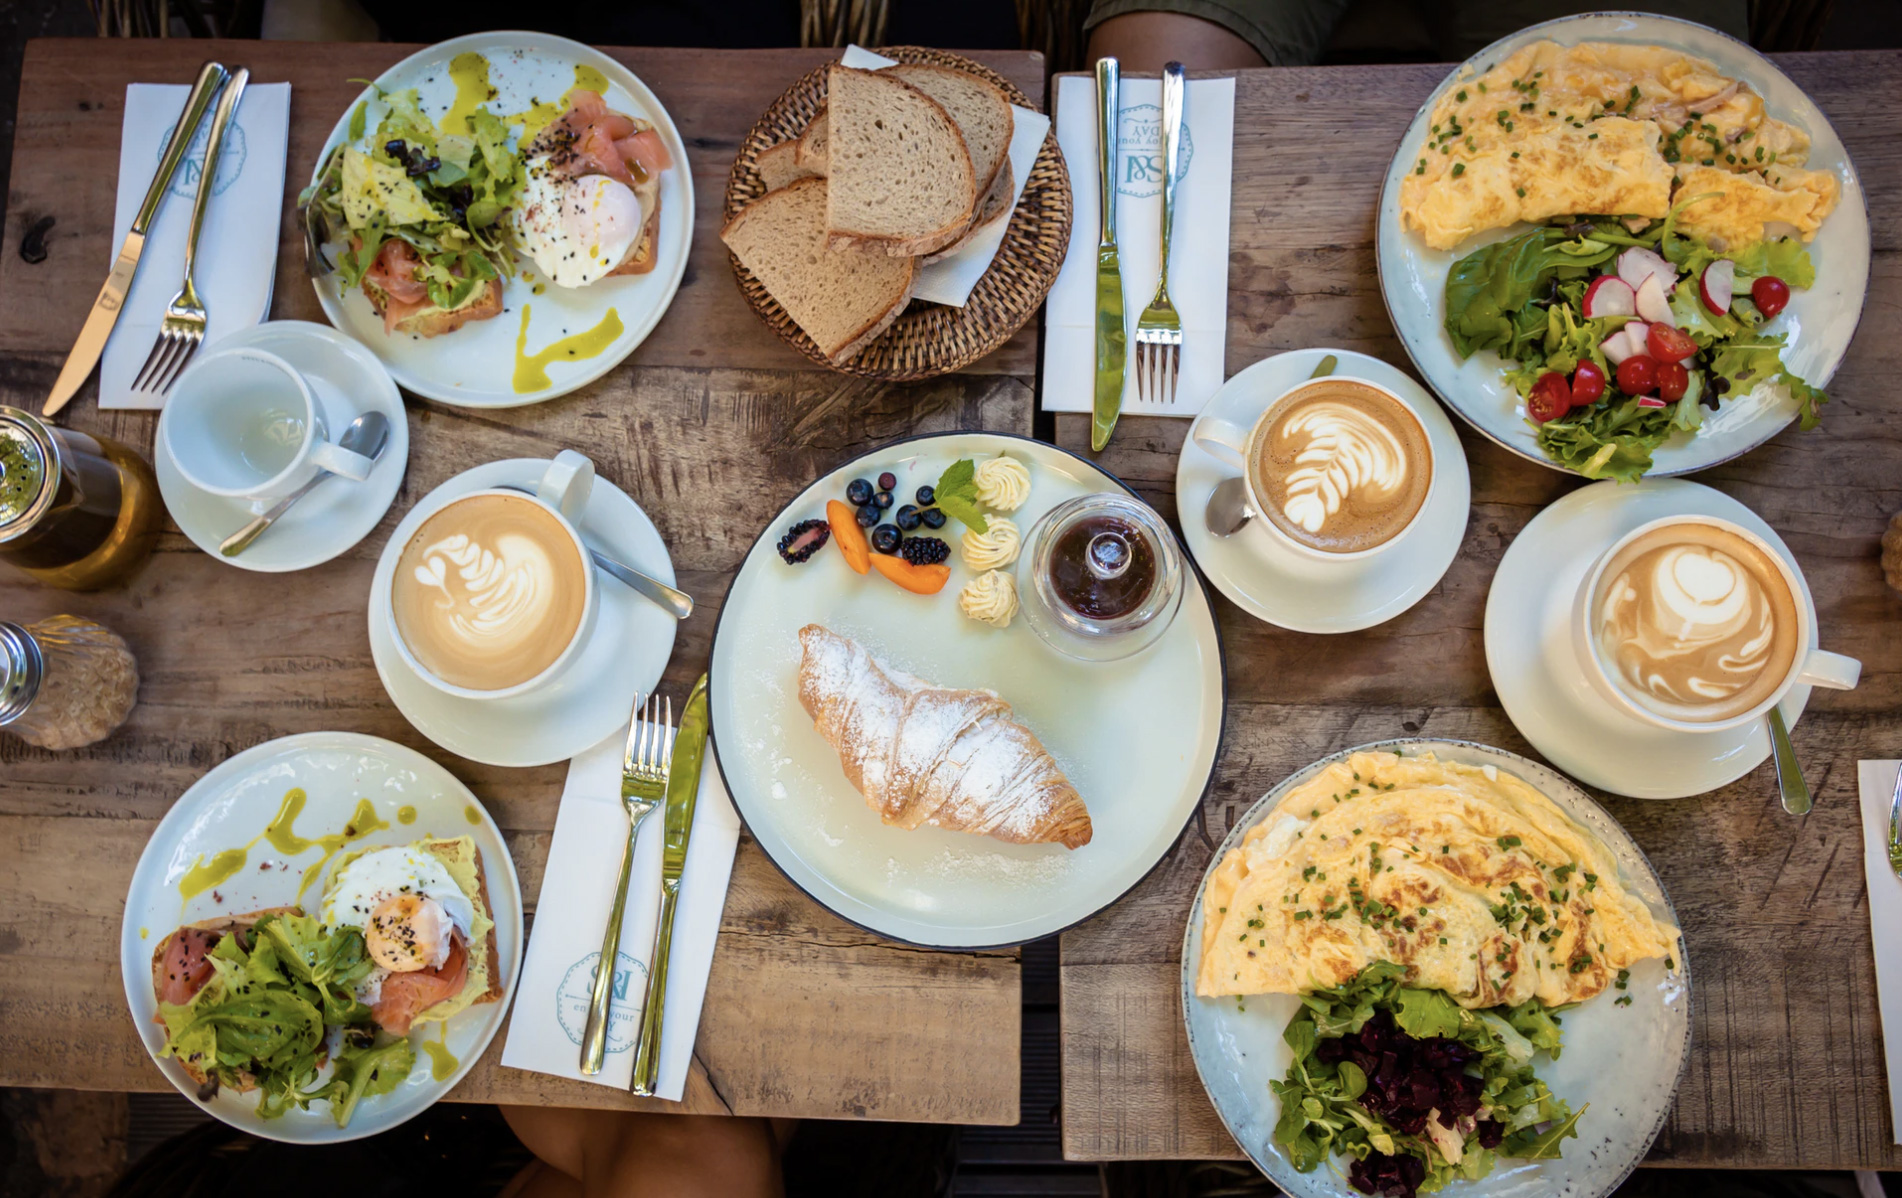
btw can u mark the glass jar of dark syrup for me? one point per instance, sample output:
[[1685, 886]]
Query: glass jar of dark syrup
[[1102, 577]]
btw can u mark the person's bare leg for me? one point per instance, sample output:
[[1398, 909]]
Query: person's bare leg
[[1144, 41], [625, 1154], [541, 1181]]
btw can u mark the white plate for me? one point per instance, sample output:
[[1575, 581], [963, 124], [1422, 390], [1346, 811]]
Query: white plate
[[1529, 648], [350, 381], [629, 646], [1820, 321], [231, 805], [1625, 1061], [1138, 737], [474, 367], [1272, 582]]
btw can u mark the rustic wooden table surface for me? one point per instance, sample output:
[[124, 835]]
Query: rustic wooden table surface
[[712, 426], [1786, 1064]]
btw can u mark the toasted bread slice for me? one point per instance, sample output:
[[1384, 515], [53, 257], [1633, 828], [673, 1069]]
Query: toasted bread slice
[[980, 108], [898, 172], [842, 298], [431, 321], [226, 925], [779, 165], [452, 850], [812, 153]]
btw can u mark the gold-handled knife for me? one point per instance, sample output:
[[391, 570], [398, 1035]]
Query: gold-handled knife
[[1111, 336], [105, 310], [683, 787]]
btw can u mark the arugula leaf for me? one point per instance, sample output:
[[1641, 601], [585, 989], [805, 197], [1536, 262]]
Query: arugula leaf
[[957, 495], [362, 1073], [1424, 1013], [358, 116], [1533, 1020], [1533, 1145]]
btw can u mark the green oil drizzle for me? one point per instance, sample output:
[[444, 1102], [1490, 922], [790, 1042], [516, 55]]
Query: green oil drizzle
[[472, 815], [406, 815], [442, 1063], [282, 834], [203, 875], [588, 79], [470, 73], [531, 370]]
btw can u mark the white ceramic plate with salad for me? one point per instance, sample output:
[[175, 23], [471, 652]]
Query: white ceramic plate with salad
[[548, 339], [1818, 320], [1625, 1059], [225, 848]]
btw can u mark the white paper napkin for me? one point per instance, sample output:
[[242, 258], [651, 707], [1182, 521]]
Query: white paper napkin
[[237, 251], [950, 281], [1877, 780], [1198, 249], [584, 861]]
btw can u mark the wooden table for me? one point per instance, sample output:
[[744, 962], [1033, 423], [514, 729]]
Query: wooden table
[[1786, 1062], [712, 426]]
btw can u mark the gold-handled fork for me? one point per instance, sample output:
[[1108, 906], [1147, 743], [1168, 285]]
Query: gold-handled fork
[[650, 752], [1159, 332]]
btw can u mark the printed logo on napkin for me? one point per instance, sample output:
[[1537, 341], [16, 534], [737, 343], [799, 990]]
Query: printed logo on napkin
[[576, 990], [1139, 151], [231, 158]]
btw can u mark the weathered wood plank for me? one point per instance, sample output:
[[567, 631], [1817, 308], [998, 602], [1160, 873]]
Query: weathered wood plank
[[1787, 1068]]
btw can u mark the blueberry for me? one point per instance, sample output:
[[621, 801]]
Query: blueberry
[[885, 539], [908, 518], [858, 492], [927, 495], [887, 481], [933, 517], [883, 499], [868, 516]]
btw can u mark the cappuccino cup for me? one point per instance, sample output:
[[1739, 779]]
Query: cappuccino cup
[[493, 594], [1338, 468], [1696, 624], [244, 424]]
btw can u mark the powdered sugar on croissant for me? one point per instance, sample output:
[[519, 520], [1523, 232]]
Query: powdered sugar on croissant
[[924, 754]]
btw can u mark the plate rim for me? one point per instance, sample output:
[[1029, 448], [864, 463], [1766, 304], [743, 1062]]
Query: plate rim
[[319, 738], [1544, 27], [1195, 808], [527, 39], [1517, 762]]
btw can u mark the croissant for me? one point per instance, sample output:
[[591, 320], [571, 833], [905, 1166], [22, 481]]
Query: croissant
[[924, 754]]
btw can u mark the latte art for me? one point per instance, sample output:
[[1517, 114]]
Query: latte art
[[1694, 623], [1344, 453], [488, 592], [1341, 466]]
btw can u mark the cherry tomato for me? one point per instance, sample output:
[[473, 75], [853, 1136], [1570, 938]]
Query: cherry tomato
[[1638, 374], [1551, 398], [1770, 294], [1588, 383], [1673, 380], [1668, 344]]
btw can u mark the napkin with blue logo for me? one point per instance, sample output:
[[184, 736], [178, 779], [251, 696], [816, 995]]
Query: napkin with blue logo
[[1198, 248], [564, 945], [237, 251]]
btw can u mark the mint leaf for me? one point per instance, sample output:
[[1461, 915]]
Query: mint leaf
[[957, 495]]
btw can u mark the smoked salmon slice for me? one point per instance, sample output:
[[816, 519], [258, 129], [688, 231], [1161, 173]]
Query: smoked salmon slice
[[183, 968], [407, 995]]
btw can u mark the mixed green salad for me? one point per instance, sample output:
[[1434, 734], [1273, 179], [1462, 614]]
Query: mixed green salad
[[280, 1002], [419, 195], [1618, 340], [1414, 1089]]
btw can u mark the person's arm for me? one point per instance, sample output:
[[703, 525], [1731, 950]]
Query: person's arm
[[1212, 35], [1143, 41]]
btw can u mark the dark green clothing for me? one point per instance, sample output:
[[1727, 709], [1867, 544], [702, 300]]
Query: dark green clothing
[[1297, 32]]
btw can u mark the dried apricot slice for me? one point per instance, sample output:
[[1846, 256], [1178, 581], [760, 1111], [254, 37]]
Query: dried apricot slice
[[920, 580], [847, 534]]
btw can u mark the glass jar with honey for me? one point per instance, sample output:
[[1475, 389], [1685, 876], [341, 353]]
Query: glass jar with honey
[[76, 511]]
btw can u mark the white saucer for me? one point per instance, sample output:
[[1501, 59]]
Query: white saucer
[[1529, 648], [1272, 582], [338, 513], [630, 644]]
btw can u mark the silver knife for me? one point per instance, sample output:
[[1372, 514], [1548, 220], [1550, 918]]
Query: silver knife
[[1895, 828], [1111, 337], [105, 310], [683, 787]]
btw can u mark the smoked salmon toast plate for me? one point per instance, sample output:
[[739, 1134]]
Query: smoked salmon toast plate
[[301, 832], [568, 303]]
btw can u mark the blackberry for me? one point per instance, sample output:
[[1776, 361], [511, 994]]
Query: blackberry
[[803, 540], [933, 517], [925, 551], [885, 539]]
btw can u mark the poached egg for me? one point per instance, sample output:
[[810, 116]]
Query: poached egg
[[577, 230], [406, 904]]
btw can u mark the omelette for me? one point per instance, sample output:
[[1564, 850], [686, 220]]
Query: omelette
[[1611, 129], [1480, 885]]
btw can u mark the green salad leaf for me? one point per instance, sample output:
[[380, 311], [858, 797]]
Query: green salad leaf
[[1491, 292], [362, 1071], [1744, 362]]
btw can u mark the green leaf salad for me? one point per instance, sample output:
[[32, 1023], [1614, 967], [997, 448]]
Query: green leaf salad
[[1619, 340]]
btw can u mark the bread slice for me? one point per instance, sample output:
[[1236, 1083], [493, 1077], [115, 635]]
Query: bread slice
[[814, 145], [779, 165], [452, 850], [899, 175], [842, 298], [980, 108], [224, 925], [996, 206], [431, 321]]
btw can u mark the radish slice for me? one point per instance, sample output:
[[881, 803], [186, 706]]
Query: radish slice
[[1637, 264], [1717, 286], [1616, 347], [1652, 401], [1653, 304], [1609, 295]]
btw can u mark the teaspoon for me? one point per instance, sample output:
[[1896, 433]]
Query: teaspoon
[[1796, 792]]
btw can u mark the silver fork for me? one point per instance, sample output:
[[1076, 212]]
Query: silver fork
[[650, 751], [1895, 829], [183, 329], [1159, 332]]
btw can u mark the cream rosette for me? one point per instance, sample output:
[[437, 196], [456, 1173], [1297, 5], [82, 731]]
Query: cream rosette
[[990, 598], [994, 548], [1003, 483]]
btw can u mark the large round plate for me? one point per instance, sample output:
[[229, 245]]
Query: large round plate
[[1625, 1061], [474, 366], [1138, 737], [232, 804], [1820, 321]]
